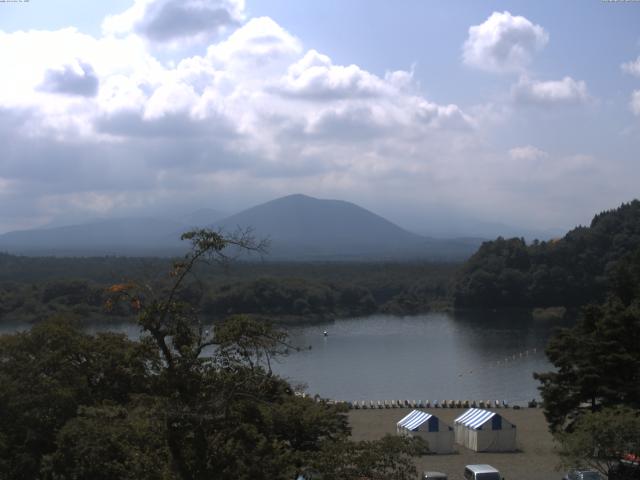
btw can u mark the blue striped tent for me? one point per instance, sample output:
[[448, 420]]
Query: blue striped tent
[[438, 435], [485, 431]]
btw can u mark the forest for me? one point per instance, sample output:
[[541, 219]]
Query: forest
[[571, 271], [33, 289]]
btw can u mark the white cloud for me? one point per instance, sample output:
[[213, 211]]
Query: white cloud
[[259, 44], [174, 22], [552, 92], [120, 93], [36, 57], [635, 102], [170, 98], [632, 67], [503, 43], [527, 152], [314, 77], [253, 118], [256, 106]]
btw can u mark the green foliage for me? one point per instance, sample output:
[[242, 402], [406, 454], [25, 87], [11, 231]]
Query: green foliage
[[241, 340], [277, 297], [572, 271], [599, 440], [283, 292], [51, 370], [68, 292], [597, 361], [386, 459], [110, 442]]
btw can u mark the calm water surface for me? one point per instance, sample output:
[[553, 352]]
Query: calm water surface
[[428, 357], [439, 356]]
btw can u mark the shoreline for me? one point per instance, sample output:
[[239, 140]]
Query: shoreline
[[535, 458]]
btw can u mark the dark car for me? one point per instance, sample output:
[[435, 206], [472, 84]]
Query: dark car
[[433, 476], [626, 470], [582, 475]]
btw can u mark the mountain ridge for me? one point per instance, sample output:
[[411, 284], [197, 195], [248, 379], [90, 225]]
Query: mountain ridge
[[327, 229], [299, 227]]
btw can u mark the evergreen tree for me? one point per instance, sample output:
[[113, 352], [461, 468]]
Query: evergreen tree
[[597, 361]]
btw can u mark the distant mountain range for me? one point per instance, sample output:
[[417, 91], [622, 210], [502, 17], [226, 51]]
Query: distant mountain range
[[303, 227], [122, 236], [454, 226], [298, 227]]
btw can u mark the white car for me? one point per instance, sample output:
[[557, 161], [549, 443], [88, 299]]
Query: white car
[[481, 472]]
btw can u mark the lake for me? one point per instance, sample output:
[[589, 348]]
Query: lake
[[437, 356]]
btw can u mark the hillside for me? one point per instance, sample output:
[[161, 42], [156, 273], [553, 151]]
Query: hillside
[[303, 227], [126, 236], [570, 271], [130, 236], [298, 227]]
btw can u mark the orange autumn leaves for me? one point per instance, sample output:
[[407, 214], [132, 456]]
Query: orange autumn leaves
[[121, 291]]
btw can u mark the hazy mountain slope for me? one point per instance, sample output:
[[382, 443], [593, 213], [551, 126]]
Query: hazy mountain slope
[[201, 217], [452, 226], [304, 227], [124, 236], [308, 220], [299, 228]]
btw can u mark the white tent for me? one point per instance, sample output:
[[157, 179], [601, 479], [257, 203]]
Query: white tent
[[438, 435], [485, 431]]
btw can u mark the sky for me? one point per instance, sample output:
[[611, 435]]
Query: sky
[[426, 112]]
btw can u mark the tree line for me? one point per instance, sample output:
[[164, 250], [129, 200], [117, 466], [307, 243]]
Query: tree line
[[283, 292], [572, 271]]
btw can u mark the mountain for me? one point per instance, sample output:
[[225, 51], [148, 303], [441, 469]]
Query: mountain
[[303, 227], [454, 226], [201, 217], [121, 236], [298, 227]]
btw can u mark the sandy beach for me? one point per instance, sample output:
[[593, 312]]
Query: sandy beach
[[534, 460]]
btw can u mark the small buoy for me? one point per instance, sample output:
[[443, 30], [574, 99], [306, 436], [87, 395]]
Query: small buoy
[[325, 333]]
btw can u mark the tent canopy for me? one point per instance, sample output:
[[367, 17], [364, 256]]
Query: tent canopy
[[427, 426], [475, 418], [485, 431], [414, 419]]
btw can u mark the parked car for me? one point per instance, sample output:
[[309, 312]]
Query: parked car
[[434, 476], [627, 469], [481, 472], [581, 474]]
